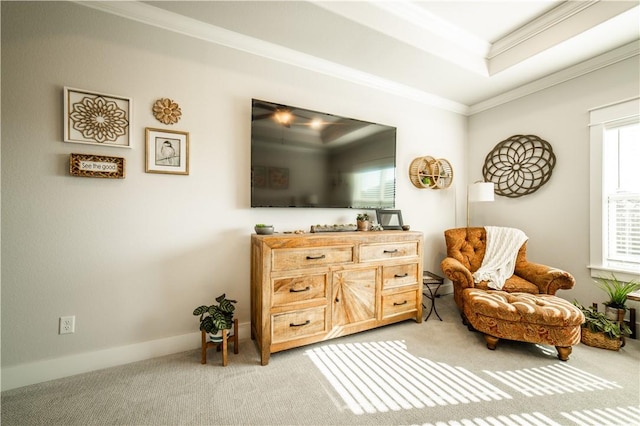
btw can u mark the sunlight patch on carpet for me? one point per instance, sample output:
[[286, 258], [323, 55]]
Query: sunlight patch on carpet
[[620, 416], [384, 376], [524, 419], [550, 380]]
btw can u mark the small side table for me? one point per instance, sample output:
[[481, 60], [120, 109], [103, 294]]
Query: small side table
[[431, 282], [220, 346]]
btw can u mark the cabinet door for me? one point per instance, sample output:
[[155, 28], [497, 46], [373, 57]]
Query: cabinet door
[[354, 296]]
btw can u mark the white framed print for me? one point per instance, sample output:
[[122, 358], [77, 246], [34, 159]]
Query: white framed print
[[167, 151], [97, 118]]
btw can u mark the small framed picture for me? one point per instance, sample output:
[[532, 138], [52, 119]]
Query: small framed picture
[[97, 118], [167, 151], [389, 219], [99, 166]]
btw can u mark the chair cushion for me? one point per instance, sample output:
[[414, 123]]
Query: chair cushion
[[514, 284]]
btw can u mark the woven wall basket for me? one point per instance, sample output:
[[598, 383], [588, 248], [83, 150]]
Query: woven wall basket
[[599, 340]]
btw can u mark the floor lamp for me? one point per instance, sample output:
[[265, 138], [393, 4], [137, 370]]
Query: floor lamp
[[478, 192]]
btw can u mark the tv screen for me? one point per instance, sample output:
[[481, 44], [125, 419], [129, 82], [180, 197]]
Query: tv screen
[[304, 158]]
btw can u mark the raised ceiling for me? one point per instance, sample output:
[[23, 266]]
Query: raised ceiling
[[463, 56]]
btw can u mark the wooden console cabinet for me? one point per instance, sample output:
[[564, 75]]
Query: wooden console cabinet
[[312, 287]]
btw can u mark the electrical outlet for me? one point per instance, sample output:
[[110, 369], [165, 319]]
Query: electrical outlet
[[67, 325]]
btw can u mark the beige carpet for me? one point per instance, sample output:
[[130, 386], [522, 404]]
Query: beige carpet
[[434, 373]]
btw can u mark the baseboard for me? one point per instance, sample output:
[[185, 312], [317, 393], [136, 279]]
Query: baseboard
[[42, 371]]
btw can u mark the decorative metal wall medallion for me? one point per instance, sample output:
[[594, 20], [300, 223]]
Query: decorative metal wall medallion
[[519, 165], [167, 111], [96, 118]]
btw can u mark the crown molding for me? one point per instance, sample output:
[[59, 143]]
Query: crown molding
[[170, 21], [620, 54], [532, 29]]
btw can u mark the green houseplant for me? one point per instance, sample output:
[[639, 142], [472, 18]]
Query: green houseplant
[[600, 331], [217, 316], [618, 291]]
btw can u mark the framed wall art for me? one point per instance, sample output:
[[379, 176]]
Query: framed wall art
[[97, 118], [167, 151], [100, 166]]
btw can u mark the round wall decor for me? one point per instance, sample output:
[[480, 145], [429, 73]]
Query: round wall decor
[[519, 165], [429, 172], [167, 111]]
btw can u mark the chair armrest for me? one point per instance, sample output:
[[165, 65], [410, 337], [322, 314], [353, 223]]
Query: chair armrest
[[457, 272], [547, 279]]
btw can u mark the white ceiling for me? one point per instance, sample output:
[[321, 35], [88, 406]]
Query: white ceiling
[[463, 56]]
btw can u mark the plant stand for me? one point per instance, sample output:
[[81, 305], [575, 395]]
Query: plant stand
[[222, 346]]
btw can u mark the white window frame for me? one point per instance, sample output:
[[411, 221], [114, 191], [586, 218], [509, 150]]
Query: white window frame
[[619, 113]]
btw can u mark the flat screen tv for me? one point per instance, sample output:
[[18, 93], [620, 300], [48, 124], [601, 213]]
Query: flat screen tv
[[304, 158]]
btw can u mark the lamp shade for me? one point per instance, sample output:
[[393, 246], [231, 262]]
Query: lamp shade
[[481, 191]]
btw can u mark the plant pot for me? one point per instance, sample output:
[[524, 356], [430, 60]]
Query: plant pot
[[613, 313], [364, 225], [599, 340], [264, 230]]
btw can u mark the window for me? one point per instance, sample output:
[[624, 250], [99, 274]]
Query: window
[[615, 190]]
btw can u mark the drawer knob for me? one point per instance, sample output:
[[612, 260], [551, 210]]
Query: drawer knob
[[401, 276], [399, 304], [299, 325], [293, 290], [322, 256], [390, 251]]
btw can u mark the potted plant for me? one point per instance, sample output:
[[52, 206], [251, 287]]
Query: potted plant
[[617, 291], [217, 317], [601, 332], [363, 222]]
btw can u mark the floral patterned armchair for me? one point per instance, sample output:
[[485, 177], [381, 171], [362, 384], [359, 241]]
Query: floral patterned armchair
[[465, 251]]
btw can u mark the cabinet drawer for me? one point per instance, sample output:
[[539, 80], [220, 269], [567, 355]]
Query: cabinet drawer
[[289, 259], [298, 324], [399, 275], [396, 303], [370, 252], [297, 289]]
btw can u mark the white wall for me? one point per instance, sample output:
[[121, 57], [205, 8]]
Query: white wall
[[131, 258], [556, 217]]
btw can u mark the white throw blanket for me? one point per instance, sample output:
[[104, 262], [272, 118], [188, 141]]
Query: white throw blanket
[[500, 256]]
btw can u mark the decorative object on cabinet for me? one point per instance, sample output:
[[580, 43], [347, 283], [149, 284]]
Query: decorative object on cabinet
[[519, 165], [334, 228], [310, 288], [99, 166], [363, 222], [96, 118], [167, 111], [167, 151], [389, 219], [262, 229], [479, 192], [429, 172]]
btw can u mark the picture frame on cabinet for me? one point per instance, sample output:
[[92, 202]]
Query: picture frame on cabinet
[[167, 151], [97, 118], [389, 219]]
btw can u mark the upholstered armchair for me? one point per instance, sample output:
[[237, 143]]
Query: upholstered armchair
[[465, 251]]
